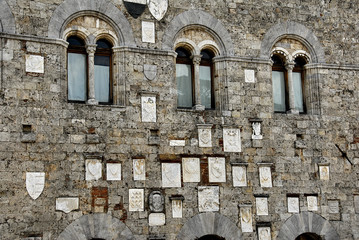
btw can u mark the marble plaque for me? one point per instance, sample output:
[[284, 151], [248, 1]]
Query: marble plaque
[[136, 200], [312, 203], [264, 233], [177, 208], [113, 171], [249, 75], [239, 174], [93, 169], [262, 206], [139, 169], [148, 109], [148, 32], [156, 201], [158, 8], [293, 204], [35, 183], [265, 176], [171, 175], [191, 170], [205, 137], [177, 143], [217, 169], [246, 219], [34, 63], [231, 140], [333, 206], [257, 132], [157, 219], [324, 172], [208, 198], [356, 203], [67, 204]]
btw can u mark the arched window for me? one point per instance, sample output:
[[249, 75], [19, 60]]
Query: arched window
[[206, 79], [77, 69], [184, 72], [211, 237], [308, 236], [298, 83], [103, 71], [279, 84]]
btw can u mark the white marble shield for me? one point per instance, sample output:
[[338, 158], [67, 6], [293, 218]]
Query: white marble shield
[[262, 206], [177, 208], [232, 140], [246, 219], [312, 203], [35, 183], [139, 169], [265, 176], [324, 173], [67, 204], [136, 200], [204, 137], [171, 175], [113, 171], [34, 63], [191, 170], [158, 8], [208, 198], [148, 109], [93, 169], [217, 169], [239, 176], [293, 204], [150, 71], [264, 233]]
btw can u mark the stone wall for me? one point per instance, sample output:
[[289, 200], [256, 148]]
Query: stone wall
[[40, 131]]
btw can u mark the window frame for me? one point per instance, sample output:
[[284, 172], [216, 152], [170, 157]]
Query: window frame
[[281, 68], [301, 69], [210, 63]]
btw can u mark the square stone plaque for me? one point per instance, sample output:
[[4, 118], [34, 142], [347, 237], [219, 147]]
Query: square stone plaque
[[205, 136], [324, 172], [67, 204], [177, 208], [136, 200], [156, 219], [293, 204], [177, 143], [333, 206], [246, 219], [312, 202], [148, 109], [265, 176], [113, 171], [34, 63], [208, 198], [262, 206], [249, 75], [217, 169], [264, 233], [93, 169], [191, 170], [148, 32], [232, 140], [239, 176], [139, 169], [171, 175]]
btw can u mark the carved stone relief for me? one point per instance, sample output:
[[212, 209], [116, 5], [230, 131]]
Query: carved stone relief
[[324, 172], [177, 143], [67, 204], [265, 176], [93, 169], [191, 170], [216, 169], [113, 171], [293, 204], [158, 8], [208, 198], [231, 140], [150, 71], [239, 176], [148, 32], [177, 208], [246, 219], [157, 219], [262, 206], [264, 233], [139, 169], [312, 203], [249, 75], [156, 201], [205, 136], [34, 63], [148, 109], [333, 206], [136, 200], [35, 183], [257, 131], [171, 175]]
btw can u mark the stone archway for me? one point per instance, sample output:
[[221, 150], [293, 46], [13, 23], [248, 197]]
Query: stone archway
[[7, 20], [304, 223], [209, 224], [96, 226]]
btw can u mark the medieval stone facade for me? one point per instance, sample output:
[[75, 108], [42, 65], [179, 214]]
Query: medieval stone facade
[[179, 119]]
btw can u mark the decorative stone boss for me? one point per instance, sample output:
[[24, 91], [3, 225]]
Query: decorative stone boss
[[156, 201]]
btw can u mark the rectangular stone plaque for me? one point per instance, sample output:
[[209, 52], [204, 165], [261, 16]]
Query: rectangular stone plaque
[[67, 204], [171, 175], [264, 233], [208, 198], [148, 109], [356, 203], [191, 170], [205, 136], [136, 200], [265, 176], [293, 204], [249, 75], [333, 206], [177, 208], [157, 219], [239, 174], [262, 206], [232, 140], [217, 169], [148, 32], [139, 169], [246, 219], [177, 143], [93, 169], [113, 171], [34, 63], [312, 202], [324, 173]]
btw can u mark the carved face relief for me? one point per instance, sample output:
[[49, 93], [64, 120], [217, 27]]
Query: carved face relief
[[265, 176], [231, 140], [156, 201], [293, 204], [177, 208], [257, 134], [93, 169], [139, 169], [148, 109], [35, 183], [171, 175], [264, 233], [262, 206], [246, 219], [208, 199], [239, 176], [136, 200], [191, 170], [217, 169]]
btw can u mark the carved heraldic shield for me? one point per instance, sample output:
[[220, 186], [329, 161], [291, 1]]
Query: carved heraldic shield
[[35, 183]]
